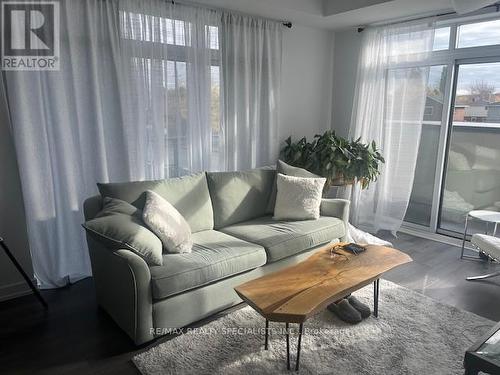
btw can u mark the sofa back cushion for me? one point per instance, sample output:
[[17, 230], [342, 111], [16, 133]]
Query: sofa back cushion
[[239, 196], [188, 194]]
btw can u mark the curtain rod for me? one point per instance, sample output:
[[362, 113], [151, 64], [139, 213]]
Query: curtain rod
[[284, 23], [361, 28]]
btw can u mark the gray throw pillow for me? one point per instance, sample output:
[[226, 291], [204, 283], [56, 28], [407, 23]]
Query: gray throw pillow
[[119, 226], [290, 170]]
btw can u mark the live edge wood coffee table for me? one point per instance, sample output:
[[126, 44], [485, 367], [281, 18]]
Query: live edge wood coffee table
[[295, 293]]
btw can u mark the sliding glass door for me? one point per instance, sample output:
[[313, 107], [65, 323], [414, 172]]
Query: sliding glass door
[[472, 170], [458, 161]]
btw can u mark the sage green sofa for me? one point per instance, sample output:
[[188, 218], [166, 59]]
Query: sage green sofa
[[235, 240]]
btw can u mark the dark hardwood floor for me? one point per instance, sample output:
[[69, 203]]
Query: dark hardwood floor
[[76, 337], [437, 272]]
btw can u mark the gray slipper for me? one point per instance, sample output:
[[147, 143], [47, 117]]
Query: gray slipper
[[363, 309], [345, 311]]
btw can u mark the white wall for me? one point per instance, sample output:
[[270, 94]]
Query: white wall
[[305, 107], [346, 53], [12, 219]]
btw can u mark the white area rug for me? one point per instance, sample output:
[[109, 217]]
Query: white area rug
[[413, 335]]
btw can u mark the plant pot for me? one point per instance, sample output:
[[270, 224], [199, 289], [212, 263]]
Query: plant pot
[[339, 180]]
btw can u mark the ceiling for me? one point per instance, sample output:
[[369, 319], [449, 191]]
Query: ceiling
[[333, 14]]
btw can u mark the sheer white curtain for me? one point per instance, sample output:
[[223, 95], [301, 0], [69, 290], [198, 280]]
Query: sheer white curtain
[[171, 67], [138, 96], [251, 55], [67, 132], [388, 108]]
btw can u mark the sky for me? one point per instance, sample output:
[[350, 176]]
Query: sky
[[471, 35], [479, 33], [470, 73]]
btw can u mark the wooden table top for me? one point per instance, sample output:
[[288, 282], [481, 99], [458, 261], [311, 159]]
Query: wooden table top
[[296, 293]]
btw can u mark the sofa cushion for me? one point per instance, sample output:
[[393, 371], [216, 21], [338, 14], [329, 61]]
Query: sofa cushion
[[188, 194], [239, 196], [489, 244], [485, 181], [119, 226], [215, 256], [282, 239]]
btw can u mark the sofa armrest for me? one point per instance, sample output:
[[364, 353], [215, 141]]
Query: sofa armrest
[[337, 208], [123, 288]]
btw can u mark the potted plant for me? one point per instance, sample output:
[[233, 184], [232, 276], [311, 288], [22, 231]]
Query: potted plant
[[340, 161]]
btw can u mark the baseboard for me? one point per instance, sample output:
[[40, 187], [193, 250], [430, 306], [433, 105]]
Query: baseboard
[[14, 290], [437, 237]]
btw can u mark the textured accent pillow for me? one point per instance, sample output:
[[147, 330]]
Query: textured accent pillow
[[289, 170], [298, 198], [119, 226], [167, 223]]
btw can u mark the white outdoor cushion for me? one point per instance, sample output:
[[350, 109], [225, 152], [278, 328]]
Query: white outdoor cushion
[[167, 223], [458, 162], [298, 198], [489, 244], [484, 158]]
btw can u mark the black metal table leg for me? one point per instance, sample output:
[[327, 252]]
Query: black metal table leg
[[287, 333], [301, 331], [266, 335], [24, 275], [376, 285]]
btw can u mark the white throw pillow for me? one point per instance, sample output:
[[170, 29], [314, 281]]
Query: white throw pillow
[[167, 223], [298, 198]]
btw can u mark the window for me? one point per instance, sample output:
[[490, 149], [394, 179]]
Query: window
[[441, 39], [484, 33], [148, 28]]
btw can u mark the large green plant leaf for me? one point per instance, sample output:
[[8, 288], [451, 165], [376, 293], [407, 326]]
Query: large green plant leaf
[[332, 157]]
